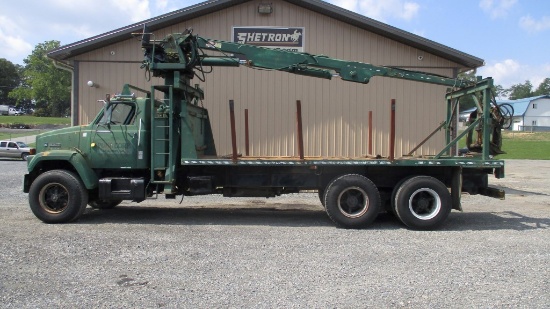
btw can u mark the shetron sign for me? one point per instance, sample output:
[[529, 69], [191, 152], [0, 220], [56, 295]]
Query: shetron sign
[[290, 39]]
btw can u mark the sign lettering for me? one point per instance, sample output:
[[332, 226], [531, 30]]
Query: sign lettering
[[290, 39]]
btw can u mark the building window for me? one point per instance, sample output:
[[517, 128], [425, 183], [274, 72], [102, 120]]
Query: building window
[[534, 123], [534, 105]]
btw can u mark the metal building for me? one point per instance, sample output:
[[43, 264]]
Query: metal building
[[335, 113]]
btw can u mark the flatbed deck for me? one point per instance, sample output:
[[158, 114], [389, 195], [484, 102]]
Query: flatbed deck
[[468, 161]]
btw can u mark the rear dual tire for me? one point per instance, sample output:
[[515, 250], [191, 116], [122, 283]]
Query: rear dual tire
[[352, 201], [422, 202]]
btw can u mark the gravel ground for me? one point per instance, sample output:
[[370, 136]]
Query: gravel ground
[[283, 252]]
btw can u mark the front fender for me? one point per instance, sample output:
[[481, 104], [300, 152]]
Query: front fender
[[75, 159]]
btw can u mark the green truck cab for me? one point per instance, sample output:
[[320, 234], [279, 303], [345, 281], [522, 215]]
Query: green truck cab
[[80, 161], [116, 156]]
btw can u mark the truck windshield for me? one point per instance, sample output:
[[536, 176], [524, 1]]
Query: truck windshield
[[118, 113]]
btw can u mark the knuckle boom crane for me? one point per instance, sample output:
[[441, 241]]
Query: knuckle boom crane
[[137, 148]]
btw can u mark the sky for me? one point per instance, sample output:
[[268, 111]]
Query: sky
[[512, 36]]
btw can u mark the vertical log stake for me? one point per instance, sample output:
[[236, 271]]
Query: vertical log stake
[[233, 133], [300, 132], [246, 133], [370, 133], [392, 130]]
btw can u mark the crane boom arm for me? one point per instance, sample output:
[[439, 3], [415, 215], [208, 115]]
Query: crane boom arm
[[319, 65], [185, 52]]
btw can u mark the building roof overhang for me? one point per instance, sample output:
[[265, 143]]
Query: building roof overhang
[[74, 49]]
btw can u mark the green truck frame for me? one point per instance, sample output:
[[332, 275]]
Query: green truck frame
[[140, 147]]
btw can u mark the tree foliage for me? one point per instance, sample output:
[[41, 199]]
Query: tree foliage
[[9, 80], [500, 92], [543, 88], [467, 102], [521, 91], [525, 90], [44, 84]]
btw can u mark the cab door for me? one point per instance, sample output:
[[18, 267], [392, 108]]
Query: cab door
[[114, 137], [12, 150]]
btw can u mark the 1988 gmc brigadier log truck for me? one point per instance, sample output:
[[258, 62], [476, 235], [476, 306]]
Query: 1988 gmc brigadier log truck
[[140, 147]]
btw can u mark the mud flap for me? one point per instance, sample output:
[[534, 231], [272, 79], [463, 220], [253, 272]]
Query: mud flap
[[456, 188]]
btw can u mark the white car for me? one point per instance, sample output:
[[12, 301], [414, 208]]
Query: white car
[[14, 112], [12, 149]]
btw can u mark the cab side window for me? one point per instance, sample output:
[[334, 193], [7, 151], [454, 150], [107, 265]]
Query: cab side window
[[3, 144], [118, 113], [12, 145]]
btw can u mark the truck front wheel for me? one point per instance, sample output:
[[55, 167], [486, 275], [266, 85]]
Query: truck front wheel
[[352, 201], [422, 202], [58, 196]]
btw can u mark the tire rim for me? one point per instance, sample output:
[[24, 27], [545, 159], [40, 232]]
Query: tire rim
[[353, 202], [54, 198], [425, 204]]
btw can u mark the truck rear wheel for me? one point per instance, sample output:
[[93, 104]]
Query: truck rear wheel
[[391, 209], [104, 204], [58, 196], [422, 202], [352, 201], [321, 194]]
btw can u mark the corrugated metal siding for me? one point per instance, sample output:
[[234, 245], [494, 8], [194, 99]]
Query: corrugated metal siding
[[335, 113]]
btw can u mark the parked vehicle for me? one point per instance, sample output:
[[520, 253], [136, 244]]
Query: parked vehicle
[[141, 147], [14, 112], [4, 110], [13, 149], [464, 116]]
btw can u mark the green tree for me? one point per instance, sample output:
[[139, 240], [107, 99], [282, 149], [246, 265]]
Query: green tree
[[543, 88], [467, 102], [9, 80], [44, 83], [520, 91], [500, 92]]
